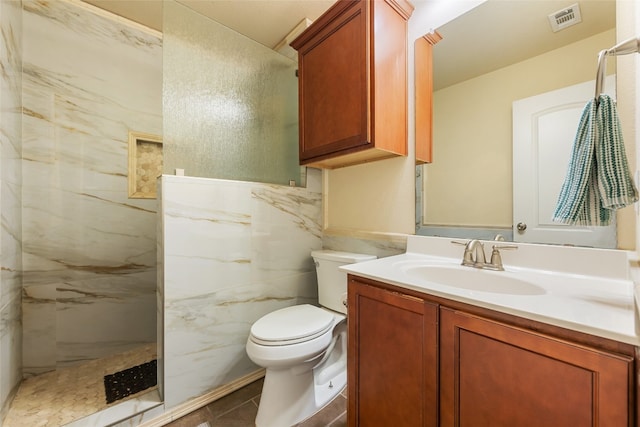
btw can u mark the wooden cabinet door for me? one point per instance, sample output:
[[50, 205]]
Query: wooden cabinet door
[[423, 62], [392, 358], [333, 85], [492, 374]]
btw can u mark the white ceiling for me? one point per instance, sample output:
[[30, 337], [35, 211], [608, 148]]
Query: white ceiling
[[496, 34], [499, 33], [265, 21]]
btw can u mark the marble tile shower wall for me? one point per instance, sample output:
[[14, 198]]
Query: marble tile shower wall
[[10, 200], [89, 252], [233, 251]]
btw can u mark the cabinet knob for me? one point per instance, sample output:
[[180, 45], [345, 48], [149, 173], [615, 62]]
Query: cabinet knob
[[521, 227]]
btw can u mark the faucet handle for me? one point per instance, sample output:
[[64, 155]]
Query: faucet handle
[[467, 257], [505, 247], [496, 258]]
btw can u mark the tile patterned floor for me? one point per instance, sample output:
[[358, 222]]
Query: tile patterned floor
[[56, 398], [239, 409]]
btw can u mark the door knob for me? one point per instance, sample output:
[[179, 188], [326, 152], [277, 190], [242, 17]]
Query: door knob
[[521, 227]]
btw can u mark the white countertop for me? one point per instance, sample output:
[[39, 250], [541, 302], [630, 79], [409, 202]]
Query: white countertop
[[582, 289]]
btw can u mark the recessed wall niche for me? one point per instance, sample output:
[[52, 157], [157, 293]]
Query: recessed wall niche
[[145, 164]]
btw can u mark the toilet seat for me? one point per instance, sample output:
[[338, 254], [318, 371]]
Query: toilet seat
[[292, 325]]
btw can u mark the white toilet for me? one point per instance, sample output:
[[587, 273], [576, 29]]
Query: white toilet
[[304, 347]]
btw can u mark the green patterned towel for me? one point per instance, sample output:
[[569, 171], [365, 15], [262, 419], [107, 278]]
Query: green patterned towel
[[598, 179]]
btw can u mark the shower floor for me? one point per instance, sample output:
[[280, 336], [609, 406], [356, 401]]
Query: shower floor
[[59, 397]]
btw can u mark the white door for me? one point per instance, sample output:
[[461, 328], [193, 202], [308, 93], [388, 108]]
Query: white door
[[544, 127]]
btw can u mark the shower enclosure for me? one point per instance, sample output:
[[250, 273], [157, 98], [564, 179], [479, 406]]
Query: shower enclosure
[[89, 250]]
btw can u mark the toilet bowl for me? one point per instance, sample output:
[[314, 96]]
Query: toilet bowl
[[304, 348]]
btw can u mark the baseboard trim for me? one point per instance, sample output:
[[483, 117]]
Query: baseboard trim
[[201, 401]]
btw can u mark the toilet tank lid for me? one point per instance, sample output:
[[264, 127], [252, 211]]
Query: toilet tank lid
[[346, 257]]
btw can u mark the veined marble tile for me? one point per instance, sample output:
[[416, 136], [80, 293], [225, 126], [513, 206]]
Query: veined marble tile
[[11, 56], [122, 309], [95, 134], [10, 349], [80, 232], [206, 337], [133, 421], [246, 233], [244, 304], [233, 251], [280, 218], [10, 237], [39, 329], [11, 245], [62, 30], [123, 315], [88, 79], [380, 248]]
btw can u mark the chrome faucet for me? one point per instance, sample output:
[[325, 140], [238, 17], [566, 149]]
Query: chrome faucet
[[474, 255]]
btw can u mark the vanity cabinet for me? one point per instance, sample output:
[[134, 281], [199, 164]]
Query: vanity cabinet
[[495, 374], [392, 358], [420, 360], [352, 82]]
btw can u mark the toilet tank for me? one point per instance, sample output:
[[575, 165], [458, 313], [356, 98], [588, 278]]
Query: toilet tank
[[332, 283]]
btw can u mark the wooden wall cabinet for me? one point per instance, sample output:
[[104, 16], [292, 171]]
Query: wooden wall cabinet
[[414, 361], [423, 60], [352, 82]]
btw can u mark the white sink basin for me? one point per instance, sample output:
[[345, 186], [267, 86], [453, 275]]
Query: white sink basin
[[583, 289], [474, 279]]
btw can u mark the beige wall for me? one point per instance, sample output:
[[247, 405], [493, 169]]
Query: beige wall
[[379, 197], [375, 200], [473, 134]]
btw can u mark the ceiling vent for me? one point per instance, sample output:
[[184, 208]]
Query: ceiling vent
[[565, 18]]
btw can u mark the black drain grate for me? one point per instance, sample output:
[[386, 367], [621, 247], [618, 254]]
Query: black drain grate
[[130, 381]]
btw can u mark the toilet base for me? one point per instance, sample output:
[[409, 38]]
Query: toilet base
[[292, 395]]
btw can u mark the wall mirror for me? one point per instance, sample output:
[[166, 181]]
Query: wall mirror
[[494, 54]]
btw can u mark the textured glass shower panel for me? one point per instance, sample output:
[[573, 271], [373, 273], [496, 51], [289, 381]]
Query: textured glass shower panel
[[230, 104]]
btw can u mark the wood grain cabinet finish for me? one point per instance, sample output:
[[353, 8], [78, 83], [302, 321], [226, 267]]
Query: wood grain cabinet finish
[[420, 360], [423, 59], [392, 358], [492, 374], [352, 81]]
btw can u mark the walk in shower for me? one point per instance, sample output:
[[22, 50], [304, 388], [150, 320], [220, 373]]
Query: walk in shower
[[88, 250], [89, 301]]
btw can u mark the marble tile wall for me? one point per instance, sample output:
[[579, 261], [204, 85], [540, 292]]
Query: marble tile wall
[[233, 251], [89, 252], [382, 247], [10, 200]]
